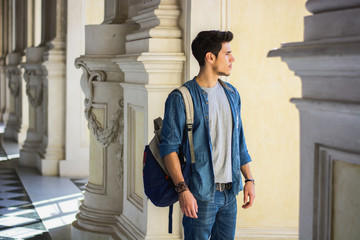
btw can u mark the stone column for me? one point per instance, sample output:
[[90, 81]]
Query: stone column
[[103, 200], [3, 91], [327, 61], [3, 53], [14, 77], [76, 163], [33, 149], [24, 113], [6, 42], [54, 95], [152, 66]]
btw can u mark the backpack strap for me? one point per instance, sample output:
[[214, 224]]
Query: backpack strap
[[170, 218], [189, 109]]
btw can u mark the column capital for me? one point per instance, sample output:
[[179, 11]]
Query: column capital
[[152, 68]]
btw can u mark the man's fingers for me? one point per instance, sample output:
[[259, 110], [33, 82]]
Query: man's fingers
[[252, 198], [245, 195], [188, 204], [191, 212]]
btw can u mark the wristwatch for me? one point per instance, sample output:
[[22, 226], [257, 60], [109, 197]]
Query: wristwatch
[[250, 180]]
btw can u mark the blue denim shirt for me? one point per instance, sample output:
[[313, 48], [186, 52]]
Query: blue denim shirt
[[174, 135]]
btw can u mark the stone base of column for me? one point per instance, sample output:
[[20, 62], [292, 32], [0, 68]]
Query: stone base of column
[[48, 167], [126, 230], [74, 168], [28, 157], [22, 134], [94, 224], [12, 128], [78, 233]]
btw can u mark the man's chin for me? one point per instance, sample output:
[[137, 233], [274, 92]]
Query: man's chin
[[223, 74]]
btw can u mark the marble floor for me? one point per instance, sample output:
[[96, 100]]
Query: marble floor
[[33, 206]]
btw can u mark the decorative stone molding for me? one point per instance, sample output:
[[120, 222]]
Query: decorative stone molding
[[120, 166], [34, 147], [120, 152], [159, 28], [13, 75], [34, 93], [249, 233], [115, 11], [14, 83], [319, 6], [327, 183], [157, 22], [109, 134]]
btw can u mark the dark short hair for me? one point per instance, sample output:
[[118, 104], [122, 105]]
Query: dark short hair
[[209, 41]]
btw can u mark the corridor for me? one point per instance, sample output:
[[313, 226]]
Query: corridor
[[33, 206]]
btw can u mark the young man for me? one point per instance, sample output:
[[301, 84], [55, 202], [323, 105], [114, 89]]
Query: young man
[[208, 200]]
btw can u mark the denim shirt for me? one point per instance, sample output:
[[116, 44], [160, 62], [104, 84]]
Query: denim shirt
[[174, 135]]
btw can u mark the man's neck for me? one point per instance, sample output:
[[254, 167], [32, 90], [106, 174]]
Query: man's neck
[[207, 79]]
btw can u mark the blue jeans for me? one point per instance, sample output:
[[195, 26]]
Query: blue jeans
[[216, 219]]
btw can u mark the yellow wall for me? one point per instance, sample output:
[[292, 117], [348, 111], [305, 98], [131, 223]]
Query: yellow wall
[[271, 121], [94, 11]]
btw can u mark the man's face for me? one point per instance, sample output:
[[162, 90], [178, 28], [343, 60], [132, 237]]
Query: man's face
[[223, 63]]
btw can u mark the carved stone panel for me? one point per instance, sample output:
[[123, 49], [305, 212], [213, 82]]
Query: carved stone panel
[[136, 123], [337, 193]]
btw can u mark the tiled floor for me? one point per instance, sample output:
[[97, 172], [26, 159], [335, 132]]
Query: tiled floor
[[33, 206], [18, 219]]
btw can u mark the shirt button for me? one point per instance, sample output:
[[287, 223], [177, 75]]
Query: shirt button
[[207, 117], [207, 103]]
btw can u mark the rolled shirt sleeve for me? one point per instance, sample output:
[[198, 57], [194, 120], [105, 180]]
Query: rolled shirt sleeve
[[173, 124]]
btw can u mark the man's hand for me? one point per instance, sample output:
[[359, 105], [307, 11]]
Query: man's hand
[[249, 194], [188, 204]]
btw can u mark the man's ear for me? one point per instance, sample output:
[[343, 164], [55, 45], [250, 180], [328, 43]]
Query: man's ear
[[210, 58]]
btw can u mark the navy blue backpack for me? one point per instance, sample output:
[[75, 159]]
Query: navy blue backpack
[[158, 186]]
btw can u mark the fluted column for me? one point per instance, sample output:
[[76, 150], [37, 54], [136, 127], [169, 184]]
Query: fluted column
[[327, 61], [104, 111], [152, 66]]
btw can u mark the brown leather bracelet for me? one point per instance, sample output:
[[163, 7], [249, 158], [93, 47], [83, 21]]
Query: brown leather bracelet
[[181, 187], [250, 180]]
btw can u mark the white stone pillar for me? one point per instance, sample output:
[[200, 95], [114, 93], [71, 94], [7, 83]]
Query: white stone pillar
[[153, 66], [33, 149], [24, 113], [6, 111], [54, 96], [328, 64], [14, 84], [3, 91], [76, 162], [104, 112]]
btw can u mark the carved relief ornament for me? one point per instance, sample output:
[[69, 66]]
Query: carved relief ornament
[[120, 152], [14, 83], [103, 136], [35, 91]]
